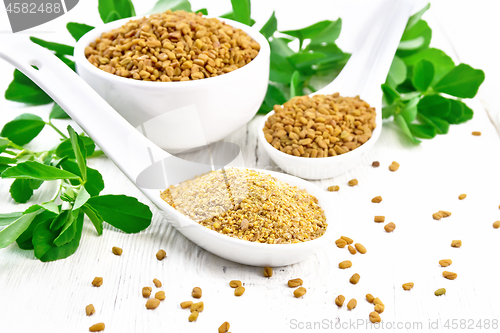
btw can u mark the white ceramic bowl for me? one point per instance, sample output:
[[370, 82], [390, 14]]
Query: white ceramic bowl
[[181, 115]]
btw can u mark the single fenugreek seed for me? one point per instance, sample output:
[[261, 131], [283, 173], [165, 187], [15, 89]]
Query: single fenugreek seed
[[377, 301], [476, 133], [97, 327], [379, 219], [389, 227], [340, 300], [496, 224], [239, 291], [152, 303], [157, 283], [370, 298], [199, 307], [394, 166], [352, 304], [224, 327], [97, 282], [437, 216], [352, 182], [445, 213], [235, 283], [333, 188], [450, 275], [445, 262], [376, 164], [347, 239], [375, 317], [146, 292], [89, 309], [186, 304], [462, 196], [345, 264], [160, 295], [456, 243], [268, 272], [196, 293], [294, 283], [299, 292], [354, 279], [377, 199], [117, 251], [160, 255], [361, 249], [193, 316], [379, 308], [408, 285], [340, 243], [351, 249], [440, 291]]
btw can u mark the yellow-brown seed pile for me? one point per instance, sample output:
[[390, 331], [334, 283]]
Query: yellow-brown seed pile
[[249, 205], [172, 46], [320, 126]]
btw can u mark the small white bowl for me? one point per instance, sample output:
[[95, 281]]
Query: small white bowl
[[178, 116]]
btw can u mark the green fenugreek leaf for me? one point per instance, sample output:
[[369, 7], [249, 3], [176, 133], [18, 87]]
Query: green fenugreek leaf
[[11, 232], [270, 27], [23, 128], [79, 152], [163, 5], [112, 10], [60, 49], [423, 74], [77, 30], [58, 113], [462, 81], [23, 90], [36, 170], [242, 11]]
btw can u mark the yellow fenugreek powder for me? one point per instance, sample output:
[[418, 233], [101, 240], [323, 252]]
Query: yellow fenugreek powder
[[249, 205]]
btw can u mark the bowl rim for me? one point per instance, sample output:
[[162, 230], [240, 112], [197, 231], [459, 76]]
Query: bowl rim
[[85, 40], [165, 207]]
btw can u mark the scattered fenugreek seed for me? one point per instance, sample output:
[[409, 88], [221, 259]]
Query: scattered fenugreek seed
[[333, 188], [375, 317], [89, 309], [351, 249], [160, 295], [340, 243], [352, 182], [437, 216], [440, 291], [377, 301], [196, 293], [299, 292], [97, 327], [340, 300], [152, 303], [445, 213], [199, 307], [193, 316], [186, 304], [462, 196], [496, 224], [376, 164], [347, 239], [476, 133], [408, 285], [377, 199], [239, 291], [224, 327], [235, 283], [394, 166], [97, 282], [157, 283], [456, 243], [160, 255], [370, 298], [146, 292], [345, 264], [294, 283], [354, 279], [445, 262], [361, 249], [352, 304], [379, 308], [379, 219], [389, 227], [117, 251], [268, 272], [450, 275]]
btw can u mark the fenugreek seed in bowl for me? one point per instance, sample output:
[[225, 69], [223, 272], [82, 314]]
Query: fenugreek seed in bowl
[[172, 46], [249, 205]]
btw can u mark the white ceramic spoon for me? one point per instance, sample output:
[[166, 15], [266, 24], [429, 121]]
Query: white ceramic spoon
[[363, 74]]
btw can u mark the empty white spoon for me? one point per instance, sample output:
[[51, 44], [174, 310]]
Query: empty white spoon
[[363, 74]]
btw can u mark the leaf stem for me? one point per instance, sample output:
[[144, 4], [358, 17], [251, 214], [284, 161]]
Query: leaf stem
[[96, 153], [10, 152], [56, 129]]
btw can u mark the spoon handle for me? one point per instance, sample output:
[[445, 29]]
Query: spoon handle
[[119, 140], [369, 64]]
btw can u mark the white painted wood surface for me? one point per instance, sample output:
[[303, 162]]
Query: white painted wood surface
[[51, 297]]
